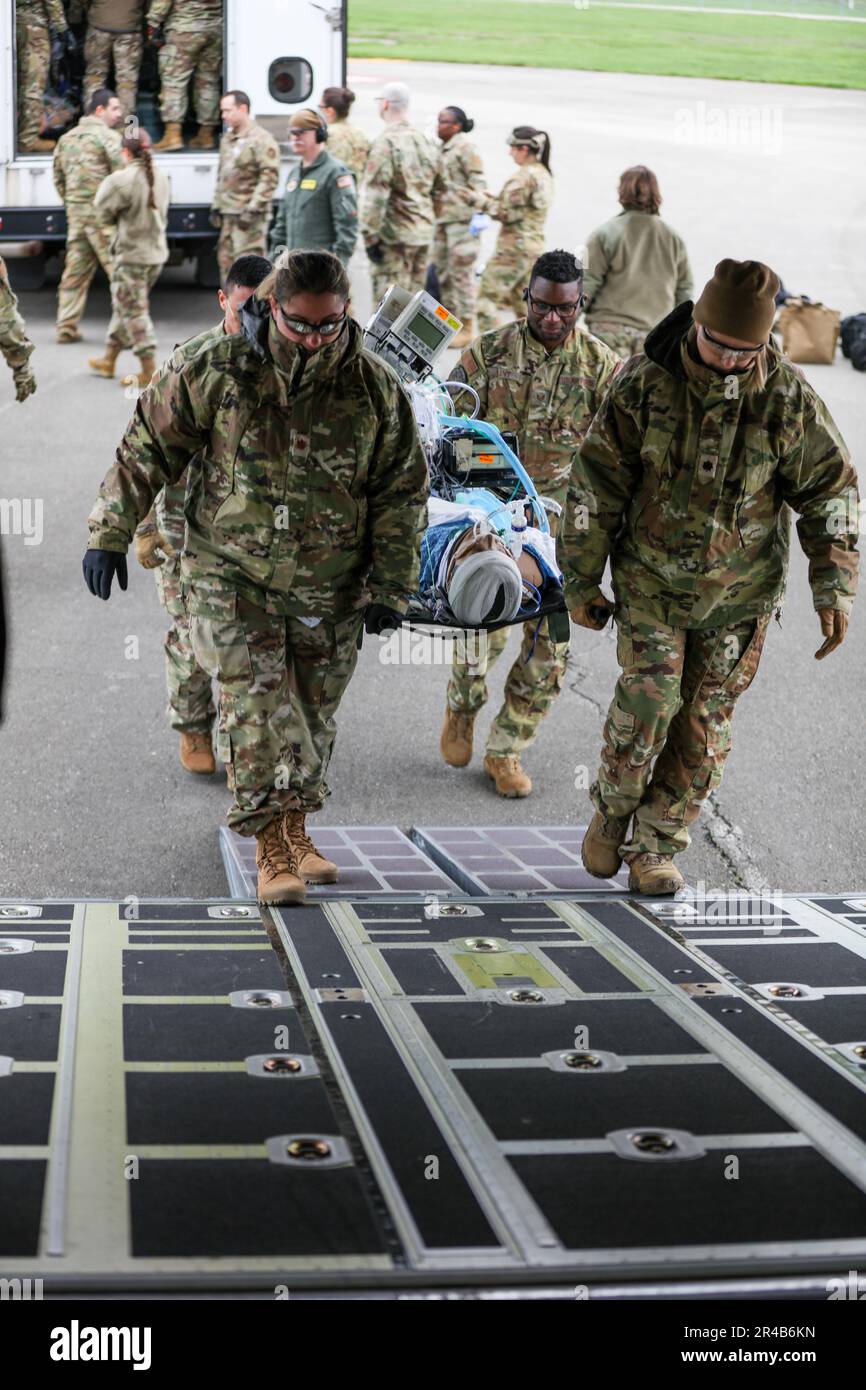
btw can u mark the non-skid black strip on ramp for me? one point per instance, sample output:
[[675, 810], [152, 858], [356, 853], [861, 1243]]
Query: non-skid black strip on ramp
[[232, 1207], [202, 1032], [30, 1032], [602, 1201], [837, 1018], [200, 972], [824, 964], [22, 1184], [536, 1103], [25, 1109], [445, 1210], [34, 972], [630, 1027], [223, 1107]]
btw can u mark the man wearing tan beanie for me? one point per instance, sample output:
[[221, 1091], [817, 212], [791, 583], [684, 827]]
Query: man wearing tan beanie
[[683, 483]]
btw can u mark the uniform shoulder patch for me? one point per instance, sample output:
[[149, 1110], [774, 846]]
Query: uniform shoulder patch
[[291, 185], [345, 181]]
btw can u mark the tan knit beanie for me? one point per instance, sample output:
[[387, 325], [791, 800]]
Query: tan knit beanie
[[739, 301]]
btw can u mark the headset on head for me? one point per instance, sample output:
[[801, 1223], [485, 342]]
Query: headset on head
[[322, 131]]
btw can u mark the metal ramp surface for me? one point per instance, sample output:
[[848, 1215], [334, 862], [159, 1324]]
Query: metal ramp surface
[[403, 1094], [496, 859]]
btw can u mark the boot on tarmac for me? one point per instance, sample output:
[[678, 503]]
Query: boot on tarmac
[[655, 875], [455, 743], [104, 366], [600, 848], [142, 377], [196, 752], [172, 138], [278, 877], [69, 334], [312, 866], [507, 774]]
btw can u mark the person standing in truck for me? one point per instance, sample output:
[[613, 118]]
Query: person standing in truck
[[115, 38], [192, 52], [37, 23], [249, 170], [83, 158]]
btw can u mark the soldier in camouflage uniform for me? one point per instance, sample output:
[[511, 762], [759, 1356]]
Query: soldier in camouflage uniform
[[637, 267], [458, 193], [83, 158], [115, 38], [249, 170], [397, 199], [193, 50], [15, 346], [345, 141], [683, 482], [522, 209], [159, 541], [36, 23], [544, 379], [305, 510], [133, 203]]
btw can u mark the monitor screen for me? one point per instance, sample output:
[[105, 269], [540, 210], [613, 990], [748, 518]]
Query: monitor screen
[[429, 333]]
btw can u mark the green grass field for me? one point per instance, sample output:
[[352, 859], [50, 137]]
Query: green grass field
[[752, 48]]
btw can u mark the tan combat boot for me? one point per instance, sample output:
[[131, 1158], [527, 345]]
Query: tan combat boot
[[455, 742], [600, 848], [104, 366], [312, 866], [172, 138], [278, 880], [69, 334], [466, 335], [39, 146], [653, 874], [203, 139], [141, 378], [196, 753], [508, 775]]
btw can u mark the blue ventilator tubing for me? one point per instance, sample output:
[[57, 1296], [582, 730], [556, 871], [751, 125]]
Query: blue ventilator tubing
[[488, 431]]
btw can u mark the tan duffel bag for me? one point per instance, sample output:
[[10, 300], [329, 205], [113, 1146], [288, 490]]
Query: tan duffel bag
[[809, 332]]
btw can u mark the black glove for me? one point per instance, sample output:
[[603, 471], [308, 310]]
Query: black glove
[[99, 568], [215, 217], [155, 35], [379, 619], [375, 252]]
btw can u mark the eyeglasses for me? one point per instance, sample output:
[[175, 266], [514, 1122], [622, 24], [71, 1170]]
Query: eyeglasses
[[325, 330], [563, 311], [727, 351]]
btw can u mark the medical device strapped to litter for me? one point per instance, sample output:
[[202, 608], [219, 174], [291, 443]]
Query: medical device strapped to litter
[[409, 331]]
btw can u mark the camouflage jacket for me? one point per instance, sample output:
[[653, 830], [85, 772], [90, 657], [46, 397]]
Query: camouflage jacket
[[349, 144], [522, 207], [547, 398], [168, 507], [48, 13], [308, 493], [111, 16], [684, 482], [15, 346], [459, 188], [319, 209], [83, 157], [249, 170], [397, 198], [186, 16]]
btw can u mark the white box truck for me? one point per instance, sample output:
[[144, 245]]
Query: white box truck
[[281, 52]]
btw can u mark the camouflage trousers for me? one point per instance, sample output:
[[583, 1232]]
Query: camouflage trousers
[[624, 341], [402, 265], [454, 254], [131, 325], [102, 50], [87, 246], [34, 61], [505, 277], [197, 55], [237, 241], [280, 685], [673, 703], [190, 695], [531, 686]]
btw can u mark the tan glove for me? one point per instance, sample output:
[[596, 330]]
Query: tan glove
[[149, 542], [594, 614], [834, 625]]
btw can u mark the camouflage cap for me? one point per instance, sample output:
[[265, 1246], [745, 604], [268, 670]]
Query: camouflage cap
[[739, 301]]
